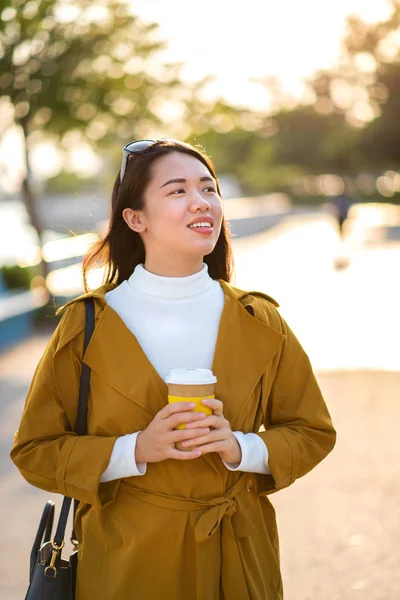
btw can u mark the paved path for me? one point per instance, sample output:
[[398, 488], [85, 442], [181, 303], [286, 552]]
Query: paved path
[[334, 313], [339, 525]]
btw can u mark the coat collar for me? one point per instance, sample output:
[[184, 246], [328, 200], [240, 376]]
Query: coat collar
[[99, 293], [244, 347]]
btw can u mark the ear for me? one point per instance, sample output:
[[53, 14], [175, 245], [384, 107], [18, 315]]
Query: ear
[[134, 219]]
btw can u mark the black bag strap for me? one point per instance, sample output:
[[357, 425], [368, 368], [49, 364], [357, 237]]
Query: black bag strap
[[43, 535], [81, 421]]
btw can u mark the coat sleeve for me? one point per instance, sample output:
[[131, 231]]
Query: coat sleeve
[[298, 428], [47, 451]]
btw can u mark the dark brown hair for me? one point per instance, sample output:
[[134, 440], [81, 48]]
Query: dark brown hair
[[122, 249]]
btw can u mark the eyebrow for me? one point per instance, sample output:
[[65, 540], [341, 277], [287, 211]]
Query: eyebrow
[[206, 178]]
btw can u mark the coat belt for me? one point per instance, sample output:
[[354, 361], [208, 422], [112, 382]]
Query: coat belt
[[220, 510]]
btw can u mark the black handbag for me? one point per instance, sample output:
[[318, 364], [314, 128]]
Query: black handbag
[[50, 576]]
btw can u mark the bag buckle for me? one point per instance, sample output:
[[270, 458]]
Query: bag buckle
[[55, 553]]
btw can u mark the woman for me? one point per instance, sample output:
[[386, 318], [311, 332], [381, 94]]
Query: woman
[[156, 522]]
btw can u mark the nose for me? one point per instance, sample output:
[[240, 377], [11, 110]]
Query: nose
[[199, 203]]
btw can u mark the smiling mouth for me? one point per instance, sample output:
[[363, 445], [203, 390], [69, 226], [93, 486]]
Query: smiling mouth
[[201, 225], [202, 228]]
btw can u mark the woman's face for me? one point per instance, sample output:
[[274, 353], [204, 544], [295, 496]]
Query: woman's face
[[180, 192]]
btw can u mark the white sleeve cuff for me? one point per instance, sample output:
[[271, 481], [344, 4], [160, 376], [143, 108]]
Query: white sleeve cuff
[[254, 454], [122, 462]]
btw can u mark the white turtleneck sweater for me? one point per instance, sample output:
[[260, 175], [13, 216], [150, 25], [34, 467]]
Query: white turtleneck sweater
[[176, 321]]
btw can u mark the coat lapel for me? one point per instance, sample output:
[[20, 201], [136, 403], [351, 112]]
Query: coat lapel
[[245, 345], [115, 353]]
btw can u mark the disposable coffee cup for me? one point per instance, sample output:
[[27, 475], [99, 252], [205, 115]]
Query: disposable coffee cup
[[191, 385]]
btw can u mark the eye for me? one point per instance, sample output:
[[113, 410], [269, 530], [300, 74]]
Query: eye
[[210, 189], [179, 191]]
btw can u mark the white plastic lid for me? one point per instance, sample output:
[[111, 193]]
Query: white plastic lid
[[191, 377]]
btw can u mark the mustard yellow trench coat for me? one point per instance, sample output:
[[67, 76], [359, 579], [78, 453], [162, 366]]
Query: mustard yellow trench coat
[[186, 530]]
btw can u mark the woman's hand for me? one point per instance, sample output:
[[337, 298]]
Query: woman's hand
[[157, 441], [220, 439]]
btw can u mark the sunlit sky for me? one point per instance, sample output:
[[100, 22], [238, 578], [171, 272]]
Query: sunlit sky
[[234, 41], [237, 41]]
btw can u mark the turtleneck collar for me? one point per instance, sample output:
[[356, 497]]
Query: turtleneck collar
[[144, 282]]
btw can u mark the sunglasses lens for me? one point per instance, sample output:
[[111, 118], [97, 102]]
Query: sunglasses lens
[[139, 146]]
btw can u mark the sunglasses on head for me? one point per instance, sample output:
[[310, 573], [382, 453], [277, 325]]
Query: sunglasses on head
[[137, 146]]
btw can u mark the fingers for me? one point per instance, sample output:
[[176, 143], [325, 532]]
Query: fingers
[[176, 407], [216, 405], [184, 434], [218, 446], [216, 435], [179, 413], [213, 421], [184, 454], [185, 418]]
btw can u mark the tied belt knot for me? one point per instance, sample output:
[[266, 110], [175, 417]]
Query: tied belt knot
[[218, 508], [214, 509]]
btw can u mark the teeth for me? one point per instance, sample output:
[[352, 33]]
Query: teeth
[[201, 225]]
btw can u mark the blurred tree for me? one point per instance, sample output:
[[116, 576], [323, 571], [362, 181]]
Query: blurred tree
[[365, 87], [380, 45], [234, 137], [79, 71], [67, 182], [282, 147], [317, 142], [246, 155], [379, 142]]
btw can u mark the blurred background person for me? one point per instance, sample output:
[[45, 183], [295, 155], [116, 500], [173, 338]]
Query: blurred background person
[[342, 204]]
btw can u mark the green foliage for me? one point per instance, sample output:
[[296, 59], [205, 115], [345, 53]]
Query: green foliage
[[379, 141], [16, 277], [369, 75], [285, 147], [85, 65], [65, 183], [314, 141], [245, 154]]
